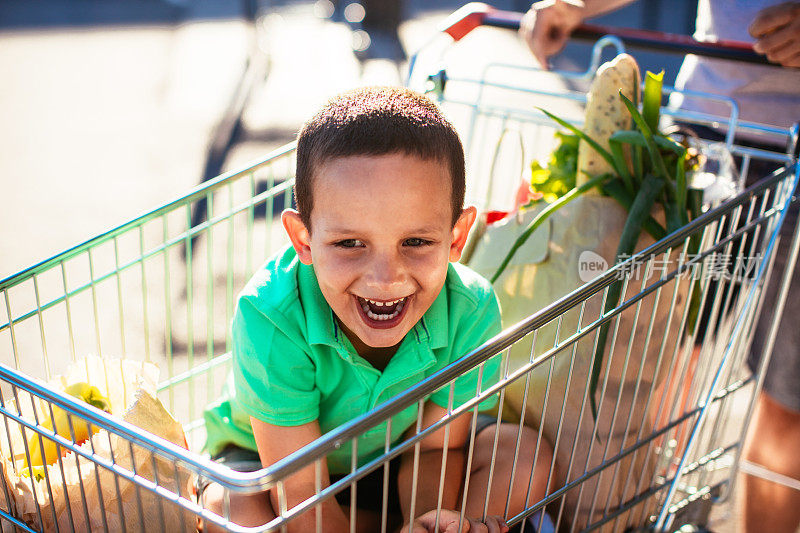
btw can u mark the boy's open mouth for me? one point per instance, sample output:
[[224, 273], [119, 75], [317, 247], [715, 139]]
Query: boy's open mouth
[[382, 313]]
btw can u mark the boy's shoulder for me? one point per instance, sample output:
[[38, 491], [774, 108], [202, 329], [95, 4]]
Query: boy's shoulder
[[472, 316], [467, 288], [274, 285]]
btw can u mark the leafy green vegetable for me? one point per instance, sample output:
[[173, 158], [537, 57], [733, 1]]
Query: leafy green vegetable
[[588, 140], [558, 178]]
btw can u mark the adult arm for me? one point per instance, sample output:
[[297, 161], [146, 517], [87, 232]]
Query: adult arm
[[777, 33], [275, 443], [548, 24]]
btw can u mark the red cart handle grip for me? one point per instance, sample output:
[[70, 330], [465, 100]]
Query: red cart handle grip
[[476, 14]]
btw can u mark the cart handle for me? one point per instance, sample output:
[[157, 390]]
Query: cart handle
[[475, 14]]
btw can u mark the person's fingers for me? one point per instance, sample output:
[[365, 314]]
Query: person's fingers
[[548, 24], [448, 522], [540, 49], [475, 526], [774, 17], [422, 524], [527, 31], [781, 45], [503, 524], [793, 61], [561, 21], [783, 54], [495, 524], [778, 38], [452, 527], [536, 29]]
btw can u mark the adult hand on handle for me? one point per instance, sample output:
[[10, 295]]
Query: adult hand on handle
[[548, 24], [777, 32], [448, 523]]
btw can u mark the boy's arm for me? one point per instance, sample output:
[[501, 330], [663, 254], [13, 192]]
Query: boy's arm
[[275, 443], [430, 460]]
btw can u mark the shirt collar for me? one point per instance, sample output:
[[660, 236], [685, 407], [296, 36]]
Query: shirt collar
[[320, 321], [433, 327]]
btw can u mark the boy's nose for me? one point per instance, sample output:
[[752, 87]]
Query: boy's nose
[[387, 273]]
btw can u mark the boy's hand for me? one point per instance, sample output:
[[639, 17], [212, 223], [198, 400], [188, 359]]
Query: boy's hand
[[448, 523], [776, 29]]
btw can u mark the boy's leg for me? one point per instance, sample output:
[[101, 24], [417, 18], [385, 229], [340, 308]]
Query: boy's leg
[[526, 474], [244, 509]]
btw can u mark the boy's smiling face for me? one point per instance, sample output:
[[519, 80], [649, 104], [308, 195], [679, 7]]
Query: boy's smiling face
[[380, 241]]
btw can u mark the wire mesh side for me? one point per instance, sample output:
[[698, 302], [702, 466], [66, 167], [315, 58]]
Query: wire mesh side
[[156, 289]]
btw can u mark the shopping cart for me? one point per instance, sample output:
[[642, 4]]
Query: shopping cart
[[127, 293]]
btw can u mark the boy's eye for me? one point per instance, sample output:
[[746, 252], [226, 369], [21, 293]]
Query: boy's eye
[[349, 243], [416, 241]]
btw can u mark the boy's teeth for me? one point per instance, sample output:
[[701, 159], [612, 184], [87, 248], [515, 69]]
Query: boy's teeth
[[373, 316], [395, 305], [379, 304]]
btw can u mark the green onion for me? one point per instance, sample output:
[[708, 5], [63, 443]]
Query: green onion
[[640, 210], [655, 155], [621, 164], [651, 104], [615, 190]]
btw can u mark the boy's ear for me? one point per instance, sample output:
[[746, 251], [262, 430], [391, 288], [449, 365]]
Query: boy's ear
[[298, 234], [461, 230]]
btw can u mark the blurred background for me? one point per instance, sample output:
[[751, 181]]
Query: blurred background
[[108, 109]]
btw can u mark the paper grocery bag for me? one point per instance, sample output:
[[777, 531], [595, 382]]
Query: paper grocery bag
[[76, 494], [558, 258]]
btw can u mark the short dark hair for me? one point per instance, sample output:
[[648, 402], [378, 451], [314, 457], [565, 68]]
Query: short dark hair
[[377, 121]]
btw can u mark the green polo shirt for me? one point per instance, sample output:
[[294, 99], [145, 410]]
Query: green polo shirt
[[292, 363]]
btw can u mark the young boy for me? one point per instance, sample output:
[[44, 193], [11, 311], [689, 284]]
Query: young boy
[[364, 304]]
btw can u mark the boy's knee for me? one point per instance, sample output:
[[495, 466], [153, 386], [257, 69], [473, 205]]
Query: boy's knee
[[507, 437]]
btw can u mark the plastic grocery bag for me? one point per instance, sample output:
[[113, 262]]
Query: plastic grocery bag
[[76, 493], [573, 246]]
